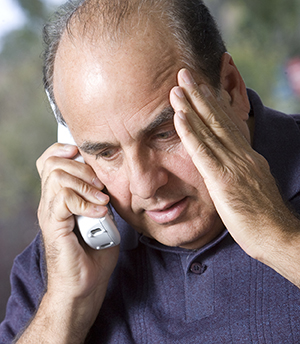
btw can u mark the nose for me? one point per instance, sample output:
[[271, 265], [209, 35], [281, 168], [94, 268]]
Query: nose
[[146, 174]]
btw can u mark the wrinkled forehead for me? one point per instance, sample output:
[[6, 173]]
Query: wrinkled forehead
[[90, 79]]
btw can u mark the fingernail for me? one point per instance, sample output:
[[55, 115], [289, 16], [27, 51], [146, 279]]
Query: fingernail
[[102, 197], [181, 114], [97, 183], [187, 77], [98, 209], [179, 92], [68, 148]]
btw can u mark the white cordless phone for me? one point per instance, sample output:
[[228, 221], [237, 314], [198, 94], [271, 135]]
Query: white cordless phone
[[97, 233]]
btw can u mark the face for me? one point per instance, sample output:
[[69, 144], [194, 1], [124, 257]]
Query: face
[[117, 108]]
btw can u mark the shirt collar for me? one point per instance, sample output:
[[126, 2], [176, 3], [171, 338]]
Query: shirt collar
[[158, 246]]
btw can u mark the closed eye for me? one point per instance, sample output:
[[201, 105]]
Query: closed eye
[[166, 134], [108, 154]]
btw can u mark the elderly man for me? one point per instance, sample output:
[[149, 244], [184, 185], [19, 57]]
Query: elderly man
[[191, 162]]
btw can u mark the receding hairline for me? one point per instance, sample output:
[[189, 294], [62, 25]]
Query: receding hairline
[[104, 46], [92, 36], [100, 20], [96, 31], [182, 23]]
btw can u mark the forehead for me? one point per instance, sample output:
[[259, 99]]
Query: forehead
[[94, 86]]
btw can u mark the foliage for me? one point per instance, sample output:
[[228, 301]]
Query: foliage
[[262, 37]]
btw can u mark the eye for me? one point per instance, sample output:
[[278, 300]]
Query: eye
[[107, 154], [165, 135]]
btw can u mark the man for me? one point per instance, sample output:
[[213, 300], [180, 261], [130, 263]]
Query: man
[[160, 114]]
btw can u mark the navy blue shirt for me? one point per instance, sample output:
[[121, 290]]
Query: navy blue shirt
[[159, 294]]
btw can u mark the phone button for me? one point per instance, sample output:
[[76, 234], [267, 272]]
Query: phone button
[[109, 244], [96, 232]]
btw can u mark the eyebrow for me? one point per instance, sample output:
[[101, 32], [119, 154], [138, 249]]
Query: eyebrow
[[165, 116]]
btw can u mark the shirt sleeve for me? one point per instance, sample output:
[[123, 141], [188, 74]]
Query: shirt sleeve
[[28, 283]]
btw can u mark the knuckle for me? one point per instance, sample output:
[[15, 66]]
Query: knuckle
[[82, 205], [55, 176], [84, 170], [85, 188], [50, 162], [201, 149], [40, 162], [211, 119], [195, 94], [46, 167], [76, 204], [208, 134], [65, 193]]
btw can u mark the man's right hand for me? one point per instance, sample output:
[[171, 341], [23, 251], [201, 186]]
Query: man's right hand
[[77, 274]]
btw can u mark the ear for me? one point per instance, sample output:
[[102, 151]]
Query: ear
[[234, 86]]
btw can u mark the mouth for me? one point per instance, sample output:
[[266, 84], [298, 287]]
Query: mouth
[[169, 213]]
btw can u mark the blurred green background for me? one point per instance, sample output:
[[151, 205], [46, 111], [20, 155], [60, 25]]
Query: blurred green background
[[262, 36]]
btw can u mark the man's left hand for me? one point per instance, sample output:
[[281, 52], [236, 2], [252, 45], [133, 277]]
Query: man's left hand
[[238, 179]]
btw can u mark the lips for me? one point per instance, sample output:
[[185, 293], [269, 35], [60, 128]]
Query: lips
[[169, 213]]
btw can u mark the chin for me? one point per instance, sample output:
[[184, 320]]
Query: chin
[[174, 238], [187, 235]]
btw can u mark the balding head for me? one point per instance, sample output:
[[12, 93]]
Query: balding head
[[110, 23]]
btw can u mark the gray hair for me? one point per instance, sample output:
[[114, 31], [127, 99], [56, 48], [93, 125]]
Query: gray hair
[[189, 21]]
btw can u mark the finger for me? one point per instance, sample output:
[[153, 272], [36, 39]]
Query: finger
[[72, 167], [56, 211], [202, 155], [196, 128], [208, 107], [59, 156], [58, 150], [67, 202], [59, 179], [58, 222]]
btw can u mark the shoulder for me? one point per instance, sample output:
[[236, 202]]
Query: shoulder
[[296, 118], [277, 138], [28, 282]]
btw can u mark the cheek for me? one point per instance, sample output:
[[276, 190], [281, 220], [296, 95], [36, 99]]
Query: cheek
[[116, 184], [190, 180], [182, 166]]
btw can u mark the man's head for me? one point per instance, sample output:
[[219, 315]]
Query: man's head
[[112, 89], [108, 22]]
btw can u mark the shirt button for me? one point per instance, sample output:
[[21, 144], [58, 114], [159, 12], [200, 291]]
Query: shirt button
[[197, 268]]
